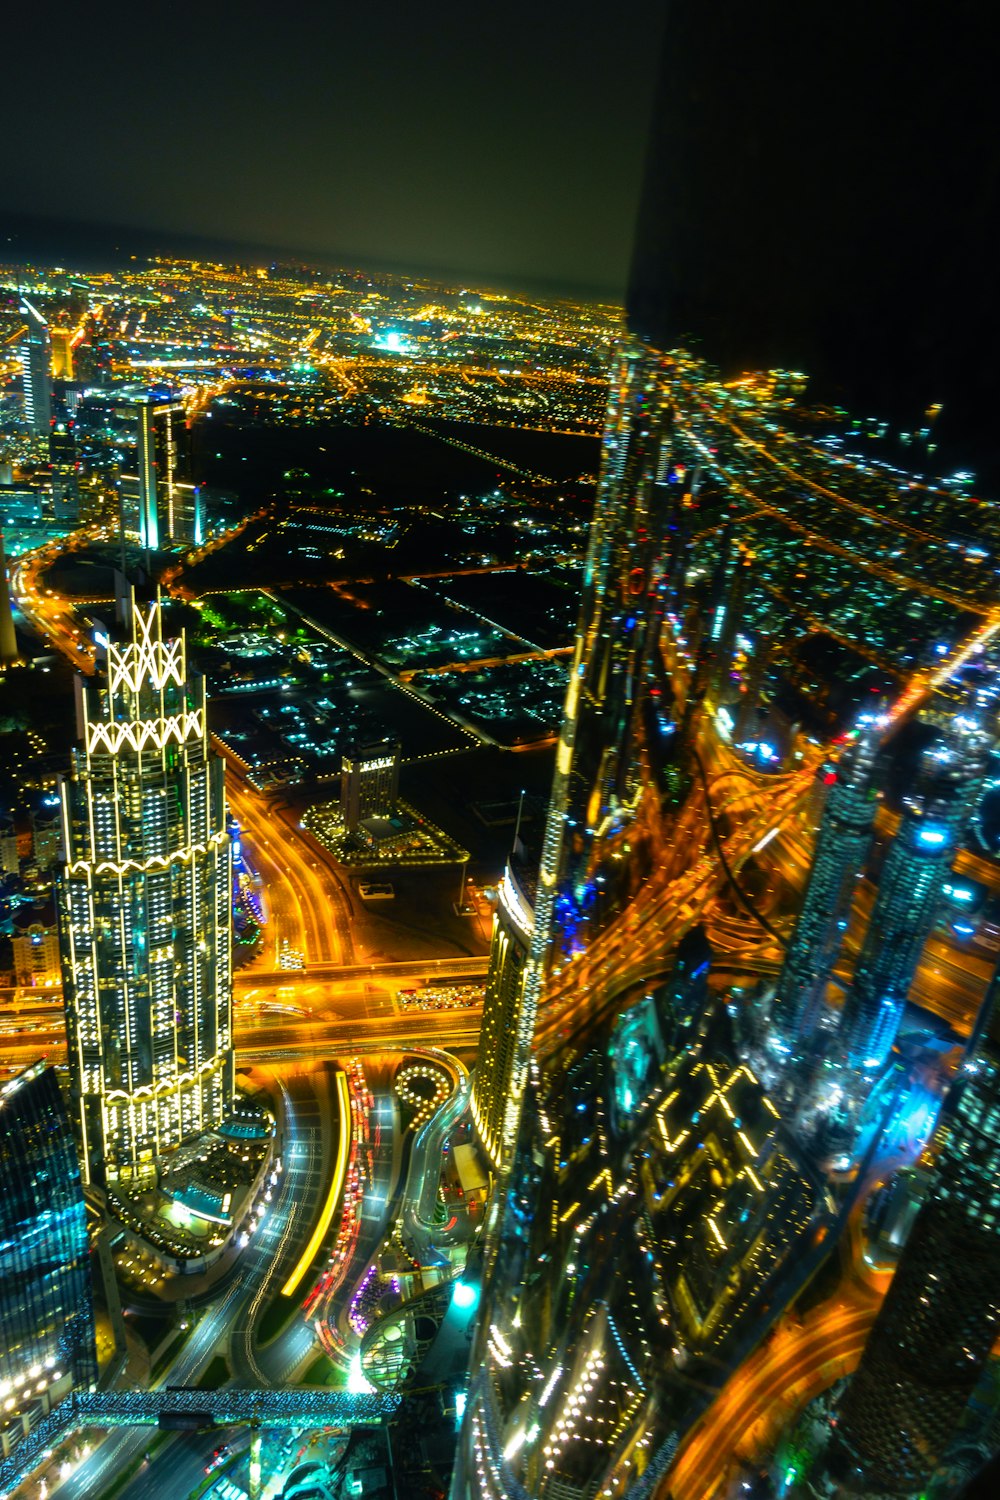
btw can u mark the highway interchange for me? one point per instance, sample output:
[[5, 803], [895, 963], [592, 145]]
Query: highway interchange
[[293, 1024]]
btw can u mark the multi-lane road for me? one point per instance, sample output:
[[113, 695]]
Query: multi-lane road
[[227, 1315], [308, 905], [795, 1366]]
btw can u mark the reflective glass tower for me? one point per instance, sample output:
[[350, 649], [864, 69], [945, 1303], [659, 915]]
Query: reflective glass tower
[[640, 1242], [909, 891], [574, 1364], [144, 908], [941, 1315], [845, 834], [46, 1308]]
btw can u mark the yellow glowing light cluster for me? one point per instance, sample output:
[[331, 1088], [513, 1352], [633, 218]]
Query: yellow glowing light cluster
[[333, 1197]]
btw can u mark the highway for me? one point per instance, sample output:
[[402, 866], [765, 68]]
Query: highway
[[798, 1361], [378, 1161], [308, 906], [795, 1366], [631, 949], [226, 1314]]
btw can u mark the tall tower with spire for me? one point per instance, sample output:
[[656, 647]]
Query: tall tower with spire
[[143, 901]]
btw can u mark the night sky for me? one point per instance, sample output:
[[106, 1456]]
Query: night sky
[[824, 193], [495, 139], [823, 189]]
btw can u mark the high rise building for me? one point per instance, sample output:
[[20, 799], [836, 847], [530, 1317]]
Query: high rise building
[[46, 1307], [941, 1314], [144, 908], [587, 1367], [725, 604], [909, 891], [497, 1081], [160, 502], [35, 943], [842, 844], [574, 1351], [369, 783], [64, 467], [62, 353], [36, 367]]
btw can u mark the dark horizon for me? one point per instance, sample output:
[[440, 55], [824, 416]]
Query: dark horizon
[[456, 138], [92, 246]]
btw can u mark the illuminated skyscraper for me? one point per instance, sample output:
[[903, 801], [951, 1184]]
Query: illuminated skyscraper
[[62, 353], [574, 1347], [63, 465], [369, 783], [160, 501], [46, 1308], [909, 892], [144, 908], [844, 838], [36, 366], [497, 1081], [941, 1315]]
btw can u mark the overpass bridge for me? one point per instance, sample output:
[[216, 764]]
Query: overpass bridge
[[186, 1408]]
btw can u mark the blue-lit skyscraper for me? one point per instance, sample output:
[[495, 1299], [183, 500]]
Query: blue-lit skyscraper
[[909, 891], [845, 834], [46, 1308]]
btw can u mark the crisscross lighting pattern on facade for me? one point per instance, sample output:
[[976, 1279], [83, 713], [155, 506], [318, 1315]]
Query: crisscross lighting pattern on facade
[[144, 908]]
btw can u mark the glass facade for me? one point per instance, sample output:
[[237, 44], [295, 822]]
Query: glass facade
[[159, 502], [845, 835], [144, 909], [594, 1347], [941, 1315], [909, 892], [46, 1308]]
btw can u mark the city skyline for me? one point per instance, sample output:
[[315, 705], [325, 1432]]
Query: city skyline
[[690, 678], [500, 788], [361, 156]]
